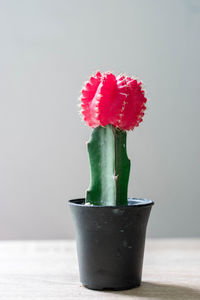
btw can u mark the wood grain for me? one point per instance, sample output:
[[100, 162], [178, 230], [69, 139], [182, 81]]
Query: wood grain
[[48, 270]]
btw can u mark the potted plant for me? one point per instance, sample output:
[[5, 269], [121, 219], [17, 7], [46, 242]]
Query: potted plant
[[110, 227]]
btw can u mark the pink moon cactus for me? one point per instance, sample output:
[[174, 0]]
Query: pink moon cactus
[[111, 105], [116, 100]]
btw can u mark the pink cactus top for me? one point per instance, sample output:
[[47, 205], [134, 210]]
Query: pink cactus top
[[116, 100]]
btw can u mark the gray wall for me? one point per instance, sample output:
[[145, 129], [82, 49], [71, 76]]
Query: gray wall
[[48, 48]]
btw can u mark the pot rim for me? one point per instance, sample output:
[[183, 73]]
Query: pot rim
[[133, 203]]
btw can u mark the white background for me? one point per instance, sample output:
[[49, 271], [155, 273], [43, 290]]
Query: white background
[[47, 49]]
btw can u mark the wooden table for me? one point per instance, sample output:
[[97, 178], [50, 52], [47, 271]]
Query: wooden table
[[48, 270]]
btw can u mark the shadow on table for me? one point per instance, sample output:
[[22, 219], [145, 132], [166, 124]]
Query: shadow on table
[[162, 291]]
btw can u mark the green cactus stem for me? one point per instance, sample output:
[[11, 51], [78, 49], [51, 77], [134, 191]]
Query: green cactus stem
[[109, 167]]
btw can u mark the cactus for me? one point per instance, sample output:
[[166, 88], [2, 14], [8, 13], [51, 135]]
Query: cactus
[[110, 105], [109, 167]]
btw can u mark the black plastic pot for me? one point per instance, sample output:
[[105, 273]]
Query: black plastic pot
[[110, 243]]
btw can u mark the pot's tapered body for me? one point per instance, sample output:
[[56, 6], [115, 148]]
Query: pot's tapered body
[[110, 243]]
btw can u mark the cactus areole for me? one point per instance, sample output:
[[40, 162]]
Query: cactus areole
[[111, 105]]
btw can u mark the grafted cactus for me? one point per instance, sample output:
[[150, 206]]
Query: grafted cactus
[[110, 105]]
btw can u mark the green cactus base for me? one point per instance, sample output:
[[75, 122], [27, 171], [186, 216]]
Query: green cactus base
[[109, 167]]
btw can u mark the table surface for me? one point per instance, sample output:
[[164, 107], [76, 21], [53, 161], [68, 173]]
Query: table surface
[[49, 270]]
